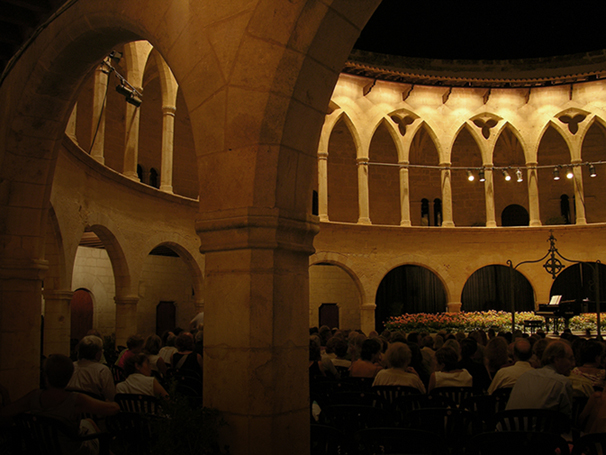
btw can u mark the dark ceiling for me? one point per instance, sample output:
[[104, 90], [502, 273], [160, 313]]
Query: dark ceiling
[[430, 29]]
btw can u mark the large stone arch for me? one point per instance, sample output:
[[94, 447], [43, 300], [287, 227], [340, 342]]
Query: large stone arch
[[268, 70]]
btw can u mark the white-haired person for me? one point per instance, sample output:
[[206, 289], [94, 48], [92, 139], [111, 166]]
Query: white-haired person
[[399, 372], [90, 375]]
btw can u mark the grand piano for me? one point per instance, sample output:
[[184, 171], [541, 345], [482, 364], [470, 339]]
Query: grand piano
[[564, 309]]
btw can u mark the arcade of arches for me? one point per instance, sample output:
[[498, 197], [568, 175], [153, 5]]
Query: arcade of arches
[[201, 197]]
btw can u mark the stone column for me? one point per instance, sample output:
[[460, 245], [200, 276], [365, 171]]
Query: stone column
[[363, 196], [533, 195], [126, 318], [404, 195], [579, 193], [256, 334], [446, 197], [131, 150], [323, 185], [97, 135], [20, 322], [168, 140], [57, 321], [367, 317], [489, 196], [70, 129]]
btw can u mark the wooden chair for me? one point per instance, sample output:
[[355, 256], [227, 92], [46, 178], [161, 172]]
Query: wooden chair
[[117, 373], [327, 440], [485, 407], [456, 394], [141, 404], [373, 441], [354, 383], [590, 444], [391, 393], [350, 418], [540, 420], [42, 435], [518, 443]]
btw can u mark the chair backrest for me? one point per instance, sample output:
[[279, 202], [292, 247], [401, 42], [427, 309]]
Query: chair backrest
[[542, 420], [391, 393], [518, 443], [327, 440], [356, 397], [350, 418], [590, 444], [355, 383], [142, 404], [454, 425], [485, 407], [117, 373], [456, 394], [372, 441]]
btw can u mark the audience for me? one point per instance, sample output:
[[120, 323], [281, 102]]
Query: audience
[[368, 365], [478, 371], [547, 387], [139, 378], [169, 348], [134, 345], [90, 375], [152, 347], [185, 359]]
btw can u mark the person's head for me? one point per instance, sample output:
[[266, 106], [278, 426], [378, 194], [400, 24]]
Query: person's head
[[138, 363], [135, 343], [496, 353], [559, 355], [184, 342], [539, 348], [153, 343], [592, 351], [315, 348], [170, 339], [340, 347], [371, 349], [447, 359], [469, 346], [398, 355], [413, 337], [58, 370], [90, 348], [522, 350], [453, 344]]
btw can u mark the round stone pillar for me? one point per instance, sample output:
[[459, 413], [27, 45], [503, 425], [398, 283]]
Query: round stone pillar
[[454, 307], [256, 327], [367, 317]]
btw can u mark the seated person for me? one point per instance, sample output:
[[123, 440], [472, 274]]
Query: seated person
[[590, 374], [90, 375], [369, 363], [134, 345], [168, 349], [506, 377], [398, 356], [139, 378], [447, 373], [153, 343], [186, 359], [58, 403]]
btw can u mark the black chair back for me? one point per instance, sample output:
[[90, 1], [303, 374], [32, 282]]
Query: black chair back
[[540, 420], [137, 403], [518, 443], [403, 441]]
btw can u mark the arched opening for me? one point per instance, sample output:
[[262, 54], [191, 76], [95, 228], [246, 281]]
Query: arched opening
[[81, 308], [578, 282], [333, 292], [409, 289], [515, 215], [489, 288]]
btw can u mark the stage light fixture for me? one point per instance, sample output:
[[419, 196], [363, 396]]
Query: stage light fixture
[[569, 173], [470, 176], [519, 175], [592, 172], [129, 95], [482, 177], [506, 175], [556, 173]]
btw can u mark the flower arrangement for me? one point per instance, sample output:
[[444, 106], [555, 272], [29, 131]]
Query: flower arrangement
[[469, 321]]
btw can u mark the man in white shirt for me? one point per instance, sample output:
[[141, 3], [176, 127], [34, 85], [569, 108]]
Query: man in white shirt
[[90, 375], [506, 377], [547, 387]]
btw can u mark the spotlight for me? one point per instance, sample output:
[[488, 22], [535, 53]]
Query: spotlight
[[569, 173], [482, 178], [519, 175], [470, 176], [506, 175], [129, 94], [115, 56], [592, 172], [556, 173]]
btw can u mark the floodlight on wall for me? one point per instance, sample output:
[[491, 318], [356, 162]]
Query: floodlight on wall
[[506, 175], [519, 175], [592, 172], [556, 173], [470, 176], [482, 177], [569, 173], [131, 95]]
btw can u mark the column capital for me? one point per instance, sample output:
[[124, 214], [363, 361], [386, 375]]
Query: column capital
[[256, 227], [23, 268], [322, 155], [169, 110]]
